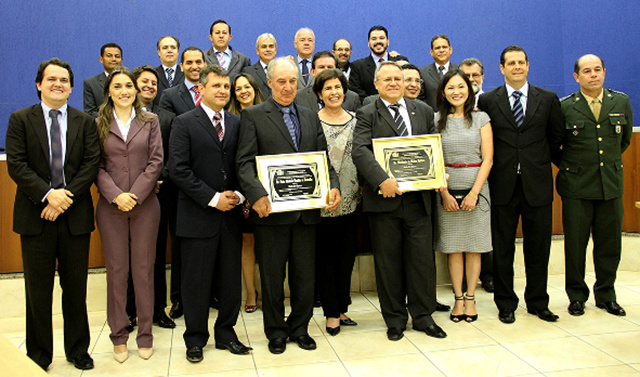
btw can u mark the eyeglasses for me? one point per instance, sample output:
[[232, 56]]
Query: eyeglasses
[[414, 81], [474, 75]]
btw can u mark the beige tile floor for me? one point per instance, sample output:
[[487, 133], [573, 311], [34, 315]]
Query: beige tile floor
[[596, 344]]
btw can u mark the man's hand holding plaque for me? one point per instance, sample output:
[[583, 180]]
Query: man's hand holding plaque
[[262, 206], [390, 188]]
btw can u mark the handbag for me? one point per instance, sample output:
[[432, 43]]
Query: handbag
[[459, 195]]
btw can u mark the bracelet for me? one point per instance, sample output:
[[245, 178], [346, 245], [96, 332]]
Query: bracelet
[[474, 196]]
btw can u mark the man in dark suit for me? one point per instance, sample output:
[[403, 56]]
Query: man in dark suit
[[52, 155], [527, 132], [400, 223], [203, 145], [266, 48], [307, 97], [432, 74], [185, 95], [287, 236], [220, 53], [179, 99], [362, 70], [93, 87], [342, 52], [305, 44], [598, 127], [168, 73]]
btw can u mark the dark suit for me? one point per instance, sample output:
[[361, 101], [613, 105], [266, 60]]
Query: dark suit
[[307, 98], [93, 93], [521, 184], [401, 227], [431, 79], [177, 99], [201, 166], [258, 73], [66, 239], [287, 236], [178, 77], [363, 73], [237, 63], [590, 181]]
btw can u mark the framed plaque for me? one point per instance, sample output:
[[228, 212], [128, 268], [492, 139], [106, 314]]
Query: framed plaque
[[416, 162], [295, 181]]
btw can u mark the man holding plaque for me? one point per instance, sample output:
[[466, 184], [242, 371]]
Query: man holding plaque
[[400, 223], [278, 126]]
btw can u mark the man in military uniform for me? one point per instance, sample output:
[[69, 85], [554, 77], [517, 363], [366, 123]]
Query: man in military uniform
[[598, 127]]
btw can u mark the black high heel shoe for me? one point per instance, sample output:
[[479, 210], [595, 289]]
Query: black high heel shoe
[[471, 318], [333, 331], [252, 308], [458, 317]]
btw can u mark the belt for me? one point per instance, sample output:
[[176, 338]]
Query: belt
[[463, 165]]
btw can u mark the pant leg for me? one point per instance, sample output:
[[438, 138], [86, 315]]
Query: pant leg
[[301, 277], [504, 223], [607, 247], [328, 253], [347, 260], [577, 217], [536, 232]]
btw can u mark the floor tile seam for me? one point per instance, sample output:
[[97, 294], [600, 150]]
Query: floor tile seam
[[608, 354]]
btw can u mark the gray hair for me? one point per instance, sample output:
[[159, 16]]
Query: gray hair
[[388, 62], [279, 61], [211, 68], [264, 36], [472, 61], [295, 37]]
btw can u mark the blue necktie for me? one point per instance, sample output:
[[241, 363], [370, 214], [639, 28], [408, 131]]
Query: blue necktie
[[170, 76], [400, 125], [518, 111], [57, 168], [305, 71], [292, 125]]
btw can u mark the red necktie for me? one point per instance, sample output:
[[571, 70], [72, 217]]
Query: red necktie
[[198, 95]]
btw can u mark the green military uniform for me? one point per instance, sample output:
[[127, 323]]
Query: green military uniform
[[590, 182]]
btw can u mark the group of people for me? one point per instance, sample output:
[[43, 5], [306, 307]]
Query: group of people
[[172, 150]]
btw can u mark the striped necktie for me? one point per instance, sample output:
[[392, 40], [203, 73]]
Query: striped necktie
[[397, 118], [198, 95], [518, 111]]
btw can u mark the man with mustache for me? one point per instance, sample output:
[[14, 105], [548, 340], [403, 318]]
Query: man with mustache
[[93, 87], [342, 52], [475, 71], [432, 74]]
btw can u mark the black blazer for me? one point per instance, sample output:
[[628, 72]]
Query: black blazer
[[165, 118], [28, 165], [431, 80], [257, 73], [375, 121], [533, 145], [177, 99], [200, 165], [163, 84], [263, 132], [93, 93], [362, 75], [307, 98], [238, 61]]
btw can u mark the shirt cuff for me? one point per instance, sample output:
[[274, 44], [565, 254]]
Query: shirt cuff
[[242, 198], [45, 195], [214, 201]]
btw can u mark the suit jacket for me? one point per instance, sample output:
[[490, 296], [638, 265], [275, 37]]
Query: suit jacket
[[165, 118], [263, 132], [257, 73], [201, 165], [431, 79], [29, 166], [591, 162], [177, 99], [133, 165], [238, 61], [93, 93], [532, 146], [178, 77], [363, 73], [375, 121], [307, 98]]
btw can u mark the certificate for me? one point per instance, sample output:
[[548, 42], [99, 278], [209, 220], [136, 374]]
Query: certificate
[[415, 162], [295, 181]]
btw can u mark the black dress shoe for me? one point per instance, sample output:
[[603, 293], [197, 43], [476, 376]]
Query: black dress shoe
[[305, 342], [176, 310], [234, 346], [163, 321], [440, 307], [277, 345], [576, 307], [507, 316], [544, 314], [333, 331], [131, 325], [487, 284], [435, 331], [194, 354], [395, 334], [82, 362], [348, 322], [612, 307]]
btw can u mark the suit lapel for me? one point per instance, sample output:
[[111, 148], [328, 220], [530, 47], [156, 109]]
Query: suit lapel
[[433, 72], [186, 96], [505, 106], [384, 113], [581, 105], [162, 77], [134, 128], [275, 116], [73, 127], [207, 125], [416, 124], [37, 118], [234, 60], [114, 129], [260, 73], [533, 100]]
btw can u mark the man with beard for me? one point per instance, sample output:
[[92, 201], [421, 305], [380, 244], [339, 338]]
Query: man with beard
[[342, 52], [432, 74], [362, 70], [475, 71]]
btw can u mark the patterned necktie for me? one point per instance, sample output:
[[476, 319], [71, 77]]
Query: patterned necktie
[[292, 125], [441, 71], [57, 168], [595, 107], [198, 95], [217, 123], [397, 118], [170, 76], [222, 59], [305, 71], [518, 111]]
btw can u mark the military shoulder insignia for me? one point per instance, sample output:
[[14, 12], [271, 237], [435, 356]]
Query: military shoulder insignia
[[566, 98], [612, 92]]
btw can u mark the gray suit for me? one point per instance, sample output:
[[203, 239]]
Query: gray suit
[[93, 93], [431, 79], [257, 72], [307, 98], [238, 61]]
